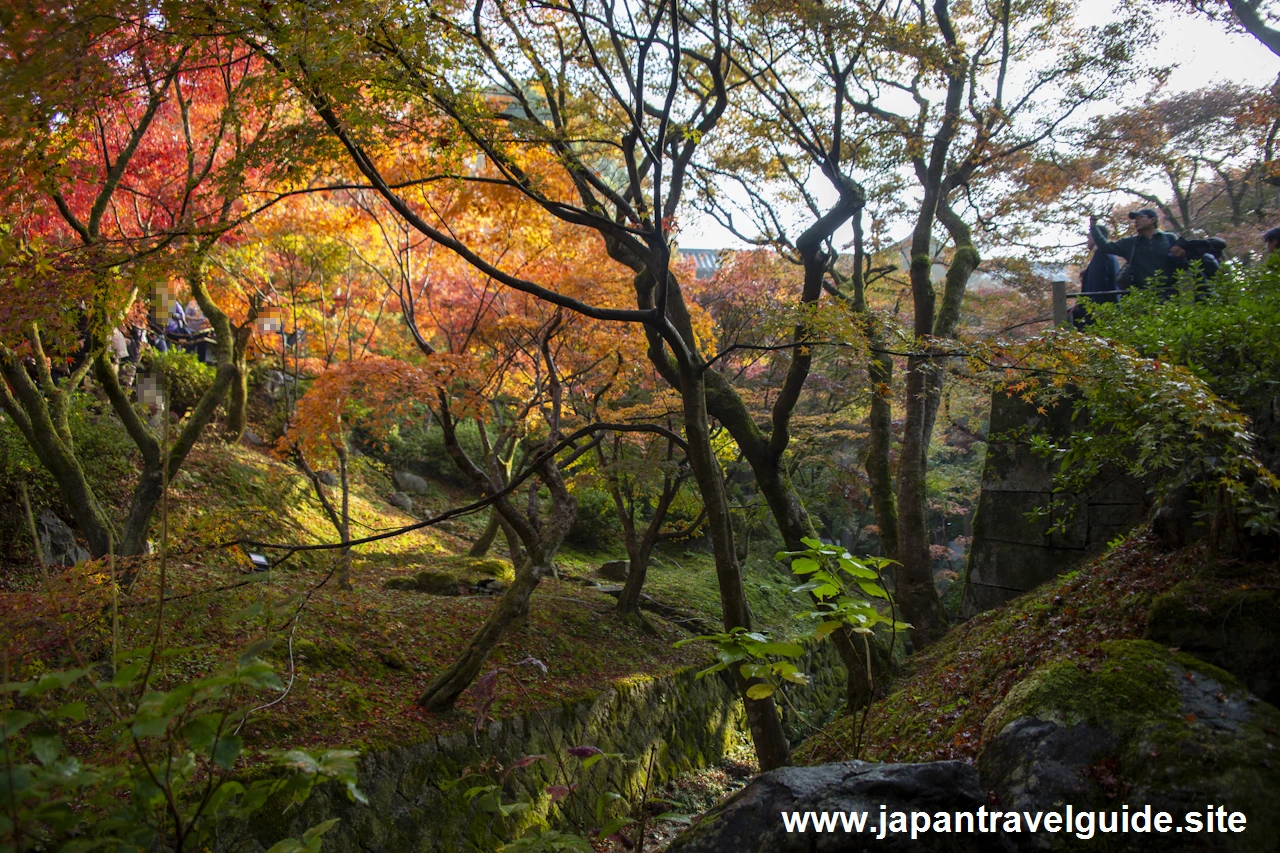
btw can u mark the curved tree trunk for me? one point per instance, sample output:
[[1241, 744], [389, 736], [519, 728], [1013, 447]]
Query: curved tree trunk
[[25, 405], [444, 689]]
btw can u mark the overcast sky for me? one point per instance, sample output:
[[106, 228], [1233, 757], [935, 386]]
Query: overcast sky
[[1203, 53]]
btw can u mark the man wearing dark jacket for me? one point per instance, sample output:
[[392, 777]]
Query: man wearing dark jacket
[[1145, 251]]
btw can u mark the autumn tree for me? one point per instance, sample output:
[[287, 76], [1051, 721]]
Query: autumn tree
[[1198, 157], [130, 149], [986, 85], [617, 106]]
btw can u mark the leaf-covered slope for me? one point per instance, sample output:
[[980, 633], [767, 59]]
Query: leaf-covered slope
[[936, 709]]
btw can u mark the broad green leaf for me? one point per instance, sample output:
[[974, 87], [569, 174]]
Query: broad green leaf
[[74, 711], [873, 589], [199, 734], [256, 649], [288, 845], [246, 613], [46, 746], [613, 826], [760, 691], [151, 726], [858, 570], [711, 670], [126, 674], [786, 650], [825, 629], [12, 722], [299, 760], [226, 750], [320, 829], [804, 565]]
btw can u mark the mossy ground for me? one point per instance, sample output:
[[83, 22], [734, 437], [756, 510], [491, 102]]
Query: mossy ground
[[355, 661], [936, 709]]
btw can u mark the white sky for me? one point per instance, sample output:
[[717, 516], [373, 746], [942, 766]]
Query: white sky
[[1202, 51]]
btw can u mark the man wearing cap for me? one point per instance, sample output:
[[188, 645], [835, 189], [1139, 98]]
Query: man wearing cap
[[1145, 250]]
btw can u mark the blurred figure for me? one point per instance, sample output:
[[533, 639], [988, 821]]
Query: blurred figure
[[1272, 239], [1195, 257], [1099, 279]]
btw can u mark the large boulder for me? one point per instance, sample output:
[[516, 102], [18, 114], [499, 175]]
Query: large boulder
[[614, 570], [752, 820], [1137, 726], [411, 483], [57, 542]]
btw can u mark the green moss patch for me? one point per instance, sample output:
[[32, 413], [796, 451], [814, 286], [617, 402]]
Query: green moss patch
[[1119, 690]]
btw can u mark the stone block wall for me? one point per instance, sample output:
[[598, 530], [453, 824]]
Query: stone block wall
[[1009, 554], [684, 722]]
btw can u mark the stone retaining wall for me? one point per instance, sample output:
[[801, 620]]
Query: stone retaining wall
[[1010, 555], [684, 722]]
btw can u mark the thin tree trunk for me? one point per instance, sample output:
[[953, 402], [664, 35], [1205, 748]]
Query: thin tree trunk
[[879, 442], [444, 689], [482, 545], [344, 569], [238, 399]]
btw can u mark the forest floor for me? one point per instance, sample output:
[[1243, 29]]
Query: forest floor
[[355, 661]]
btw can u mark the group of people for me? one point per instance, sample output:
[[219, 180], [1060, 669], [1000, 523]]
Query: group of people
[[186, 327], [1151, 258]]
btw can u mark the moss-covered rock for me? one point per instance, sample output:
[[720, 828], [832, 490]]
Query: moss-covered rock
[[474, 568], [437, 583], [1235, 627], [403, 583], [1138, 725], [329, 653], [428, 581]]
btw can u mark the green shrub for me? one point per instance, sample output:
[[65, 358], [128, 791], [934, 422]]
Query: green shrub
[[105, 451], [170, 780], [1177, 393], [413, 447], [185, 376], [1227, 338], [597, 524]]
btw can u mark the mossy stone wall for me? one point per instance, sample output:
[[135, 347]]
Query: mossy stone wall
[[683, 722]]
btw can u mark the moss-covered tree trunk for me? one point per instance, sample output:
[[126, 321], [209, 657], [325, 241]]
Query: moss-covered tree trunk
[[40, 409]]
